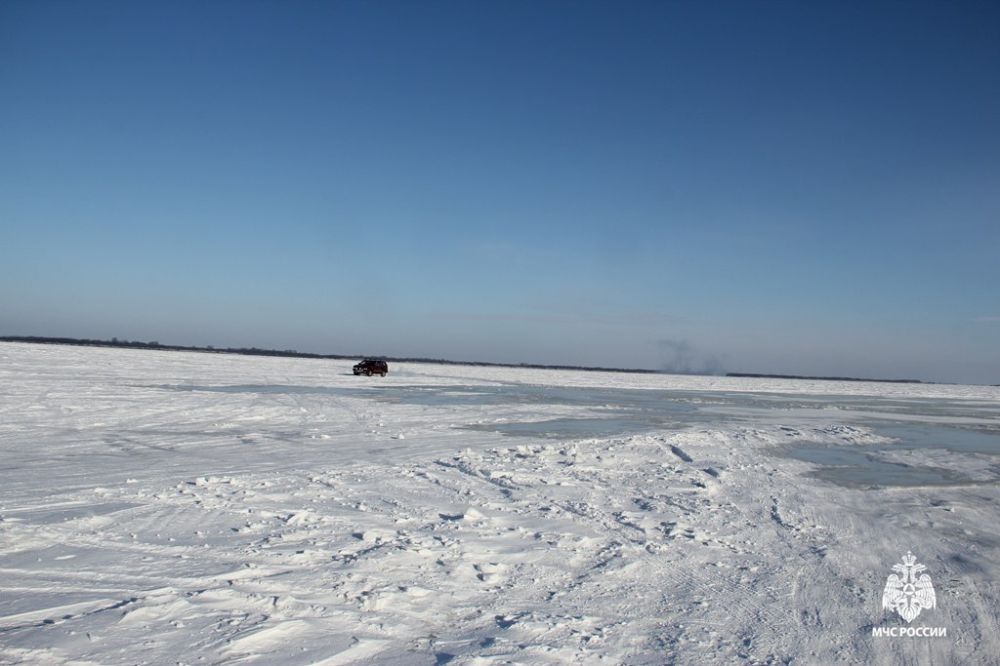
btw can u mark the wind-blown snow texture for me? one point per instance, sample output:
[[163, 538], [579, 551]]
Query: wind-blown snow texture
[[160, 507]]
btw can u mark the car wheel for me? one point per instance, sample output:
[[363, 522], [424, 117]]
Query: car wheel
[[383, 374]]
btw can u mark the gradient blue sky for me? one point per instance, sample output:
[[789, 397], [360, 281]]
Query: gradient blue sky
[[797, 187]]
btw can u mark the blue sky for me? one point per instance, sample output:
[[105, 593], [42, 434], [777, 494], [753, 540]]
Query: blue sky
[[808, 188]]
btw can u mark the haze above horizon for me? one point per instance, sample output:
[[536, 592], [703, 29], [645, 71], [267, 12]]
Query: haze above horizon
[[791, 188]]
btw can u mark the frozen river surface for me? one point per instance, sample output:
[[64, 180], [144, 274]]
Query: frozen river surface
[[160, 507]]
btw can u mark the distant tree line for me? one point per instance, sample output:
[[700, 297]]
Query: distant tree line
[[136, 344], [827, 379], [254, 351]]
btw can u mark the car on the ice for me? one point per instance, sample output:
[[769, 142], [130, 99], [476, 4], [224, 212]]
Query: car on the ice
[[371, 366]]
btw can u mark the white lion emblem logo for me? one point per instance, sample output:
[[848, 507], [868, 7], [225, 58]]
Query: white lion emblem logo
[[909, 594]]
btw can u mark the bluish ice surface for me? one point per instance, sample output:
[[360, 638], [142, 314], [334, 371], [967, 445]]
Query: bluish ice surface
[[963, 427]]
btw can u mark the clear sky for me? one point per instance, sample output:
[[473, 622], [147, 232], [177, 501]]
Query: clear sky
[[801, 187]]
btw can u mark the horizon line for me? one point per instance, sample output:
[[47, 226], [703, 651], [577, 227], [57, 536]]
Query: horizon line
[[292, 353]]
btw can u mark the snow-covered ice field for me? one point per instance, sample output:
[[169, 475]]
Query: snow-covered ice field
[[165, 507]]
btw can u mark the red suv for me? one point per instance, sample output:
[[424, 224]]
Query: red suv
[[371, 366]]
